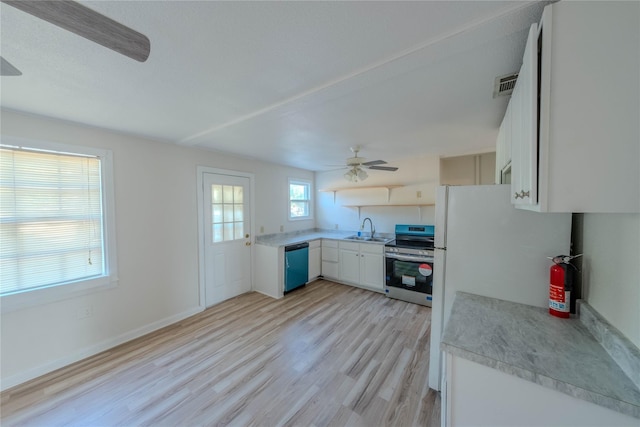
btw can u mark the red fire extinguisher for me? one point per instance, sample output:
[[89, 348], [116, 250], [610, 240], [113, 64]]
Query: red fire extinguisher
[[560, 285]]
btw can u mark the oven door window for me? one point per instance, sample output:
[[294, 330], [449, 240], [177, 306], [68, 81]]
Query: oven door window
[[412, 275]]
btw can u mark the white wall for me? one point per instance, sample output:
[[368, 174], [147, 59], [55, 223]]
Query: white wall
[[156, 226], [611, 269], [473, 169], [420, 174]]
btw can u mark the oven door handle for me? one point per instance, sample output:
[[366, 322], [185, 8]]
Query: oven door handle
[[416, 258]]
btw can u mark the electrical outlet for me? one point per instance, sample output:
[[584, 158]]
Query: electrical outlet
[[261, 229], [281, 228], [85, 312], [419, 194]]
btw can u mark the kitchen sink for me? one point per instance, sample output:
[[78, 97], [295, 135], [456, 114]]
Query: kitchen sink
[[378, 239], [369, 239], [355, 238]]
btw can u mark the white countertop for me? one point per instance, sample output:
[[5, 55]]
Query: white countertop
[[529, 343], [284, 239]]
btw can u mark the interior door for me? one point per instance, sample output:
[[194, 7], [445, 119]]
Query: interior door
[[227, 240]]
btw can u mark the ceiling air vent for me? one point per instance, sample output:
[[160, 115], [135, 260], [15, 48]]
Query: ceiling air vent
[[504, 85]]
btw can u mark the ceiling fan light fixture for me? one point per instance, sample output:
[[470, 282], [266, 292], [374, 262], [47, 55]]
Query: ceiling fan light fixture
[[356, 174]]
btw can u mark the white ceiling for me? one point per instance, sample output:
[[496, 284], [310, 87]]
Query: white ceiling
[[295, 83]]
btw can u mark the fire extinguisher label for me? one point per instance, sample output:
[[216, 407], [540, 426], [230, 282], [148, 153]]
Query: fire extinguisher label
[[559, 300], [556, 293]]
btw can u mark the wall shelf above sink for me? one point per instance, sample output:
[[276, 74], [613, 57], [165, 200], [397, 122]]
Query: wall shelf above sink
[[417, 205], [386, 187]]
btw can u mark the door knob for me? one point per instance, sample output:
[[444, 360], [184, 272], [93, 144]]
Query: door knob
[[246, 236]]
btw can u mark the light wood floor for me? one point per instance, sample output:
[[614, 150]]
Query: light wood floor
[[326, 354]]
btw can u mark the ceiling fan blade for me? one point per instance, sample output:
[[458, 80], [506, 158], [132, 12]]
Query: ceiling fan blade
[[87, 23], [375, 162], [6, 69], [384, 168]]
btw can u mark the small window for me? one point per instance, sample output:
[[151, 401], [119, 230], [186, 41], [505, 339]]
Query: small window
[[299, 199], [53, 222]]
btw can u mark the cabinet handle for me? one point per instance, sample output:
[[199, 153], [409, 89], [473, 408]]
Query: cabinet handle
[[521, 195], [516, 195], [247, 243]]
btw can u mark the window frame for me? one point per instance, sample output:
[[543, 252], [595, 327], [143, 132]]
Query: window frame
[[309, 184], [57, 292]]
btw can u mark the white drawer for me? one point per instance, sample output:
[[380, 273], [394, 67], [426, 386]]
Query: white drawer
[[329, 254], [314, 244], [351, 246], [328, 243], [372, 248]]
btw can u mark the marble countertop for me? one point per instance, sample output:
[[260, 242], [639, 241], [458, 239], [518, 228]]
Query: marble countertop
[[527, 342], [284, 239]]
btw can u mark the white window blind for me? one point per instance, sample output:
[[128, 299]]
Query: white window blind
[[51, 219]]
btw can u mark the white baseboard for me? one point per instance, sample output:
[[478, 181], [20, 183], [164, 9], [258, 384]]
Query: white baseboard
[[30, 374], [267, 294]]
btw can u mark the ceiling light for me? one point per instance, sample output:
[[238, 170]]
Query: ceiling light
[[356, 174]]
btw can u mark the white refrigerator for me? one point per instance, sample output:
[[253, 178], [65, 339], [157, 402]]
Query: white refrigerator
[[485, 246]]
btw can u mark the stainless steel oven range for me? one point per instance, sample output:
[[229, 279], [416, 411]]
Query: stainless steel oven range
[[409, 264]]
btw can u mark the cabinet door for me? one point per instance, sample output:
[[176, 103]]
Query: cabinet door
[[315, 261], [524, 135], [501, 155], [330, 270], [349, 266], [372, 270]]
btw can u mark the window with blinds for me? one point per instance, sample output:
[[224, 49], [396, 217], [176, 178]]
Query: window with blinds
[[52, 224]]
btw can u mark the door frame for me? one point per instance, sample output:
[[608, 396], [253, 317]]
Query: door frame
[[201, 170]]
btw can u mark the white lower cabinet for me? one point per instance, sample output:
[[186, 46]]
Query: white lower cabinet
[[329, 266], [362, 264], [315, 259], [350, 263], [478, 395]]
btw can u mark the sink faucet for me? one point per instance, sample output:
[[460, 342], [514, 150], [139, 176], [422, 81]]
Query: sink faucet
[[372, 229]]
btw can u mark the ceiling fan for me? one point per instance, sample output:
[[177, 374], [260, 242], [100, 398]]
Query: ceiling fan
[[357, 166], [85, 22]]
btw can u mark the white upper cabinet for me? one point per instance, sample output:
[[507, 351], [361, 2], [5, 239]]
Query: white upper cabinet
[[575, 140], [524, 148]]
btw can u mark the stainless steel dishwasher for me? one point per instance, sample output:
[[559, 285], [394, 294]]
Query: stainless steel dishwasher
[[296, 266]]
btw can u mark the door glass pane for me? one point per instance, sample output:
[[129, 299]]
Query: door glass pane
[[216, 193], [228, 213], [237, 194], [238, 211], [227, 193], [217, 213]]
